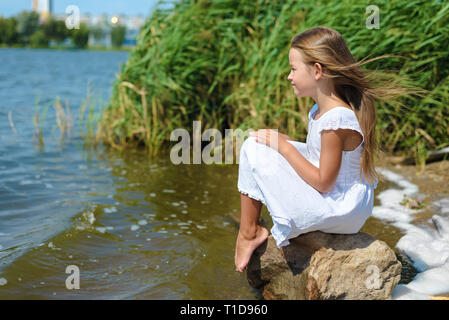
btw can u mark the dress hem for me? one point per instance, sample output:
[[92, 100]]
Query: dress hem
[[252, 196], [279, 235]]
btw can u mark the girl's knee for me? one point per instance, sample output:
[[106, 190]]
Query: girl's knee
[[249, 141], [247, 144]]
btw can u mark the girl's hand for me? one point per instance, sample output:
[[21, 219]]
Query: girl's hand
[[271, 138]]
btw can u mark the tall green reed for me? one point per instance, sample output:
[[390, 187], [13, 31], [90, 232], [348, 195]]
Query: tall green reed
[[225, 63], [90, 114]]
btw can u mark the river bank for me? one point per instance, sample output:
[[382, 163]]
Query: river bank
[[432, 180], [422, 219], [102, 48]]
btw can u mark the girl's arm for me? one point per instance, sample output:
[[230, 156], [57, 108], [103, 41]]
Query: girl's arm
[[286, 136], [323, 178]]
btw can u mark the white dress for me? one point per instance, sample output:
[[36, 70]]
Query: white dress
[[294, 205]]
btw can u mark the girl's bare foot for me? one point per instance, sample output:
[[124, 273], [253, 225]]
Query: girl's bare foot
[[246, 245]]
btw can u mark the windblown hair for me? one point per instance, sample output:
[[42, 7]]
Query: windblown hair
[[358, 87]]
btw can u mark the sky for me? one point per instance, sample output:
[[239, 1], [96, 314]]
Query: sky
[[129, 7]]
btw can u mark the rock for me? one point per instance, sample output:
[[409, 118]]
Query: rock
[[324, 266]]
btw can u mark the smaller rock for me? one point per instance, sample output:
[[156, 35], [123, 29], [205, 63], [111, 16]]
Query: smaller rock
[[325, 266]]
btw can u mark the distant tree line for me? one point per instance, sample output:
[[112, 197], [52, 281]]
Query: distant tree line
[[25, 30]]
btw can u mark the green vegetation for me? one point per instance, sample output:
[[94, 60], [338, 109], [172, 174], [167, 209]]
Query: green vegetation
[[56, 30], [8, 31], [90, 113], [118, 36], [27, 25], [225, 62], [25, 30], [38, 40], [80, 36]]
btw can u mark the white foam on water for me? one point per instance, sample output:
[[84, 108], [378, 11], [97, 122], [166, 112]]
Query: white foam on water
[[52, 246], [26, 182], [391, 208], [444, 205], [432, 281], [101, 229], [134, 227], [403, 292], [3, 281], [89, 217], [427, 248], [85, 221], [142, 222], [424, 247], [110, 210], [442, 226]]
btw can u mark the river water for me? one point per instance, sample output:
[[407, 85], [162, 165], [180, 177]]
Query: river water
[[135, 227]]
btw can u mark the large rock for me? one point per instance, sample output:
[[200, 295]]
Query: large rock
[[319, 265]]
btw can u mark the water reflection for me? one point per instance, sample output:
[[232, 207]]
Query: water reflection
[[156, 230], [150, 230]]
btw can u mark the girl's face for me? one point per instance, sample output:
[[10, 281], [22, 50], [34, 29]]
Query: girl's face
[[301, 75]]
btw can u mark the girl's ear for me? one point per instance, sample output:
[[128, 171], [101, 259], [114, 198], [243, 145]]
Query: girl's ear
[[317, 71]]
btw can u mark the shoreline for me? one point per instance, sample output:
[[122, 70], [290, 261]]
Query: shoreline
[[430, 181], [69, 48]]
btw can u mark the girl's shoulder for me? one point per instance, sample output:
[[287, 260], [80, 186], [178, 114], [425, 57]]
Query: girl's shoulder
[[336, 118], [336, 112]]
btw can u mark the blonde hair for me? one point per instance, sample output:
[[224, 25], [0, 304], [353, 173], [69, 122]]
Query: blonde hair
[[359, 88]]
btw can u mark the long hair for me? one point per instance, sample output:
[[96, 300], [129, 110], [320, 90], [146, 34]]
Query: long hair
[[359, 88]]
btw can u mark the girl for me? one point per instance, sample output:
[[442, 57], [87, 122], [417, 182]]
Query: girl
[[327, 183]]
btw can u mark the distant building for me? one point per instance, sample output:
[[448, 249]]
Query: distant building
[[43, 7]]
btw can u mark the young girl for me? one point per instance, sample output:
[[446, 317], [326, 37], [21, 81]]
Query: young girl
[[327, 183]]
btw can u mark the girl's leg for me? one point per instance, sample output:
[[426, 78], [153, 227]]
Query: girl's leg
[[251, 233]]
